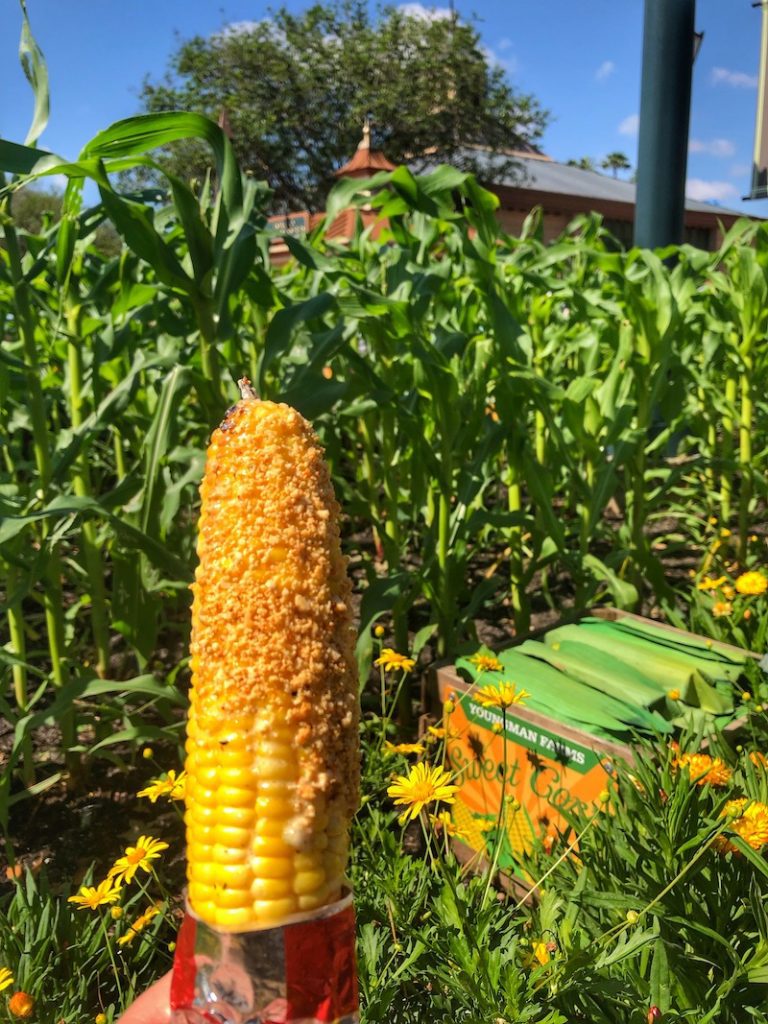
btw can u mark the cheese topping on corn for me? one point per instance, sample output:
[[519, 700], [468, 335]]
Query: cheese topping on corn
[[272, 743]]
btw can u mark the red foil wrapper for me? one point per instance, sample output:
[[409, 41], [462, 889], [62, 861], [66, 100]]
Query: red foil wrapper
[[302, 972]]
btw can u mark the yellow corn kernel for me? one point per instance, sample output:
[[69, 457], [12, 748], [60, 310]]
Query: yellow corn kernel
[[228, 854], [273, 911], [272, 756], [238, 775], [239, 817], [272, 867], [311, 901], [232, 898], [270, 846], [207, 776], [234, 918], [200, 853], [271, 888], [307, 882], [270, 826], [234, 796], [233, 876], [230, 835], [202, 871], [308, 861]]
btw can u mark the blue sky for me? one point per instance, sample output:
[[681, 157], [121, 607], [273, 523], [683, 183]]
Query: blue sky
[[581, 58]]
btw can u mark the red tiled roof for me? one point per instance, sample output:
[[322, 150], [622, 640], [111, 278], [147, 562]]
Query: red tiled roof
[[364, 163]]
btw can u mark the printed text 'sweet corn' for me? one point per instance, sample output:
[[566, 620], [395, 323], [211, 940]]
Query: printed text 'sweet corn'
[[272, 747]]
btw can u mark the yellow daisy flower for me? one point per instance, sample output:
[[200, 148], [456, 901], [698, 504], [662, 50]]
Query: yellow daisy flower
[[443, 822], [138, 925], [749, 820], [486, 663], [403, 748], [758, 759], [6, 978], [172, 786], [500, 695], [93, 897], [540, 954], [704, 769], [437, 732], [710, 583], [390, 659], [721, 608], [752, 584], [422, 786], [139, 856]]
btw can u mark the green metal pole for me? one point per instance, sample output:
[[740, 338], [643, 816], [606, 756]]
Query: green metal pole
[[665, 106]]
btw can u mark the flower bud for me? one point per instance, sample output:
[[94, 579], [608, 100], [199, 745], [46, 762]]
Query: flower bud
[[21, 1005]]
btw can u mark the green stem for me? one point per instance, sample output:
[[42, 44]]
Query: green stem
[[638, 469], [445, 602], [585, 514], [403, 699], [540, 437], [745, 452], [209, 356], [19, 672], [81, 480], [369, 475], [711, 443], [52, 598], [518, 599], [726, 486], [499, 818], [110, 951], [117, 442]]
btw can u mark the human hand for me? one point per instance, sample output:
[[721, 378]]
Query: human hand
[[152, 1006]]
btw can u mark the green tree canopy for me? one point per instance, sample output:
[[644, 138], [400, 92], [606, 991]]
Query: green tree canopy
[[36, 209], [296, 89], [586, 163]]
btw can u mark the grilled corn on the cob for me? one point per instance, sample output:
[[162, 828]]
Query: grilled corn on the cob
[[272, 745]]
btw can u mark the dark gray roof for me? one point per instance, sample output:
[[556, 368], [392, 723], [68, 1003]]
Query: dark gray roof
[[546, 175]]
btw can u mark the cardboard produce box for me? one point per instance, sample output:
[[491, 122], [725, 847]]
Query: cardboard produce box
[[551, 767]]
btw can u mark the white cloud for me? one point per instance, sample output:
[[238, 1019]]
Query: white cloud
[[713, 147], [508, 64], [630, 125], [504, 43], [738, 79], [740, 170], [605, 70], [707, 191], [239, 28], [425, 13]]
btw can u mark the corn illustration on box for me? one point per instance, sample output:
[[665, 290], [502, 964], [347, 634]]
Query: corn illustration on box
[[272, 739], [591, 686], [549, 768]]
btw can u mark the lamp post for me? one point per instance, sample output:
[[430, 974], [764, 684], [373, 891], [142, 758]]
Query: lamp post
[[665, 104]]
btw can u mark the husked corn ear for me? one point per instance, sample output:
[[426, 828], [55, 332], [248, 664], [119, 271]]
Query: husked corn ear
[[272, 742]]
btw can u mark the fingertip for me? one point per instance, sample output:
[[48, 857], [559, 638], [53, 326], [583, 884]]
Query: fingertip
[[152, 1006]]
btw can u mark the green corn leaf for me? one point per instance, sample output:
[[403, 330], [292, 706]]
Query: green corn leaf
[[36, 72]]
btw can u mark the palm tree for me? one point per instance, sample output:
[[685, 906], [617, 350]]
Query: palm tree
[[586, 163], [616, 162]]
